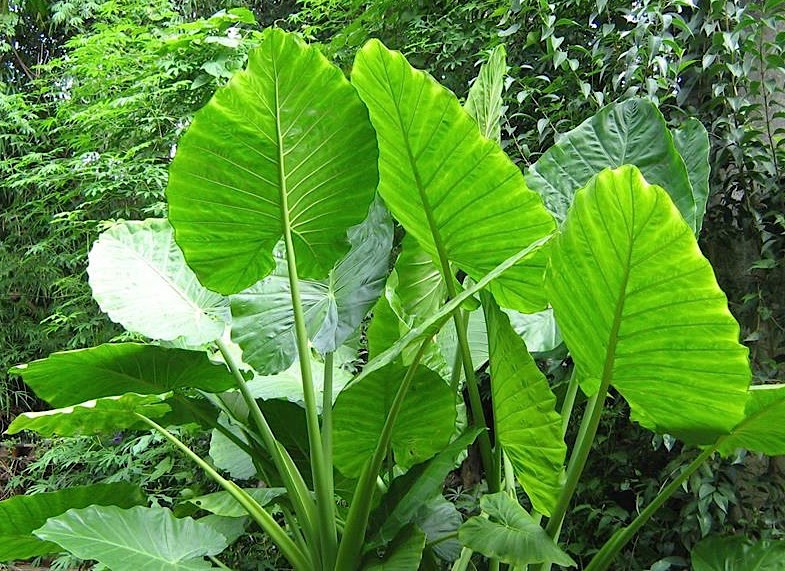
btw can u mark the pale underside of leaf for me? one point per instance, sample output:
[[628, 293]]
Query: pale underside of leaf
[[140, 279], [137, 538]]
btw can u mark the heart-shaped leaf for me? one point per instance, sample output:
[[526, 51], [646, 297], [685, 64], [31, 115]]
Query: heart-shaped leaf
[[136, 538], [510, 534], [286, 144], [640, 309], [630, 132], [452, 189], [21, 515], [140, 279]]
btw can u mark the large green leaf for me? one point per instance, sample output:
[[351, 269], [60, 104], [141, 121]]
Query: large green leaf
[[737, 553], [510, 534], [639, 308], [762, 429], [224, 504], [72, 377], [137, 538], [21, 515], [99, 416], [452, 189], [263, 319], [631, 132], [692, 142], [409, 493], [417, 282], [424, 425], [286, 140], [140, 279], [524, 410], [484, 101], [403, 554]]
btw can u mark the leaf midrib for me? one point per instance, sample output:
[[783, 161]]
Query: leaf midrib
[[437, 239]]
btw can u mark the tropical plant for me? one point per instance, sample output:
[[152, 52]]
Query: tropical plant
[[276, 248]]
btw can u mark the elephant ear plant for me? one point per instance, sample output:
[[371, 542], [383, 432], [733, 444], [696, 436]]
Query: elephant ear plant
[[335, 375]]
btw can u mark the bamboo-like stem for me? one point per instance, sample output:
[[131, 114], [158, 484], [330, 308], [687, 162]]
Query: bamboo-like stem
[[605, 556], [357, 520], [290, 550]]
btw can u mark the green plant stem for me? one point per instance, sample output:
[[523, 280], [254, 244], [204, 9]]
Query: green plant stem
[[588, 429], [605, 556], [218, 563], [357, 520], [569, 402], [293, 480], [320, 471], [257, 512], [462, 563], [492, 472], [327, 425]]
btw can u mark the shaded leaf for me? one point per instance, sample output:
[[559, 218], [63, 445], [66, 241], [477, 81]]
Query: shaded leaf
[[692, 143], [424, 425], [403, 554], [526, 422], [223, 504], [630, 132], [737, 553], [71, 377], [408, 493], [510, 534]]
